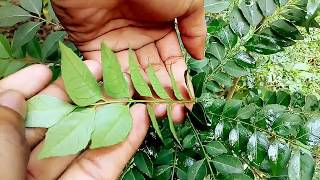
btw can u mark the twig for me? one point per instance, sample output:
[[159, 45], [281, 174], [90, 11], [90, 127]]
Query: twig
[[233, 88]]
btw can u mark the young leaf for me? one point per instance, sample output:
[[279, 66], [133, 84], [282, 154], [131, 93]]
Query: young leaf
[[113, 123], [301, 166], [24, 34], [175, 87], [50, 45], [197, 171], [215, 148], [45, 111], [143, 163], [70, 135], [227, 164], [80, 84], [171, 125], [157, 87], [154, 121], [11, 15], [114, 82], [216, 6], [138, 81], [34, 6]]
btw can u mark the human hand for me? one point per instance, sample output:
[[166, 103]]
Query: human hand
[[146, 27], [103, 163]]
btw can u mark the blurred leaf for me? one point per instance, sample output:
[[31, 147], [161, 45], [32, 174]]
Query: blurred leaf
[[247, 112], [234, 70], [11, 15], [133, 174], [231, 108], [312, 103], [301, 166], [227, 37], [279, 155], [197, 65], [227, 164], [313, 130], [251, 12], [189, 141], [216, 6], [171, 125], [81, 85], [165, 156], [70, 135], [113, 123], [223, 79], [287, 124], [280, 41], [154, 121], [217, 50], [283, 98], [34, 6], [197, 171], [285, 29], [45, 111], [267, 7], [163, 172], [50, 45], [24, 34], [237, 177], [215, 148], [198, 82], [238, 23], [157, 87], [257, 147]]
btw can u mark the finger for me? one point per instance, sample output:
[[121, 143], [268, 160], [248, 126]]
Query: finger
[[171, 55], [14, 149], [193, 30], [51, 168], [28, 81], [108, 163]]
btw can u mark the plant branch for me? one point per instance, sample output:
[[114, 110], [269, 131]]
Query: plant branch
[[233, 88], [156, 101]]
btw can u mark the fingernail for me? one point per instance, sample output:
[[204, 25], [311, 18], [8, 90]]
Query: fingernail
[[14, 101]]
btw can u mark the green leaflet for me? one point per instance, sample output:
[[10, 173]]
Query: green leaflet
[[113, 123], [171, 125], [115, 84], [227, 164], [133, 174], [24, 34], [156, 85], [143, 163], [70, 135], [11, 15], [34, 6], [137, 79], [45, 111], [80, 84], [197, 171], [175, 87], [50, 45], [154, 121]]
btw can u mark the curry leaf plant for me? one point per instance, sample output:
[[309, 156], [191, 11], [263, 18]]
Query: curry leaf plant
[[100, 115]]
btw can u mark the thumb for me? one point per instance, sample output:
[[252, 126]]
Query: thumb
[[192, 27], [13, 151]]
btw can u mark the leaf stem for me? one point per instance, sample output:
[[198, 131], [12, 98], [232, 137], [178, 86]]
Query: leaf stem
[[156, 101], [202, 148], [174, 165]]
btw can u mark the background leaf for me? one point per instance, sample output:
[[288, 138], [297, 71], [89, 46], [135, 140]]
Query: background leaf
[[227, 164], [34, 6], [11, 15], [216, 6], [50, 45], [24, 34], [197, 171]]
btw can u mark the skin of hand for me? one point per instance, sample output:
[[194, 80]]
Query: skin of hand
[[144, 26]]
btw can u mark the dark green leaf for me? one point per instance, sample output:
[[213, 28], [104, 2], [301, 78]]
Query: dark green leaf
[[197, 65], [213, 87], [238, 177], [138, 81], [171, 125], [223, 79], [281, 41], [267, 7], [279, 155], [234, 70], [157, 87], [227, 164], [10, 66], [238, 23], [113, 123], [50, 45], [34, 6], [263, 45], [269, 97], [287, 124], [215, 148], [216, 6], [11, 15], [301, 166], [70, 135], [165, 156], [251, 12], [283, 98], [215, 25], [217, 50], [45, 111], [231, 108], [313, 8], [4, 42], [189, 141], [247, 111], [114, 83], [24, 34], [80, 84], [143, 163], [33, 49], [197, 171], [163, 172], [285, 29], [198, 82], [257, 147], [245, 60], [133, 174], [227, 37]]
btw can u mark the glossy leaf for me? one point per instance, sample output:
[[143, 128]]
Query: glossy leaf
[[247, 112], [301, 166], [285, 29], [33, 49], [11, 15], [70, 135], [257, 147], [251, 12], [245, 60], [197, 171], [45, 111], [163, 172], [113, 123], [138, 81], [263, 45], [217, 50], [313, 8], [50, 45], [238, 23], [283, 98], [287, 124], [216, 6], [114, 82], [154, 121], [143, 163], [34, 6], [313, 130], [156, 85], [227, 37], [234, 70], [231, 108], [80, 85], [227, 164], [215, 148], [267, 7], [279, 155], [281, 41], [24, 34]]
